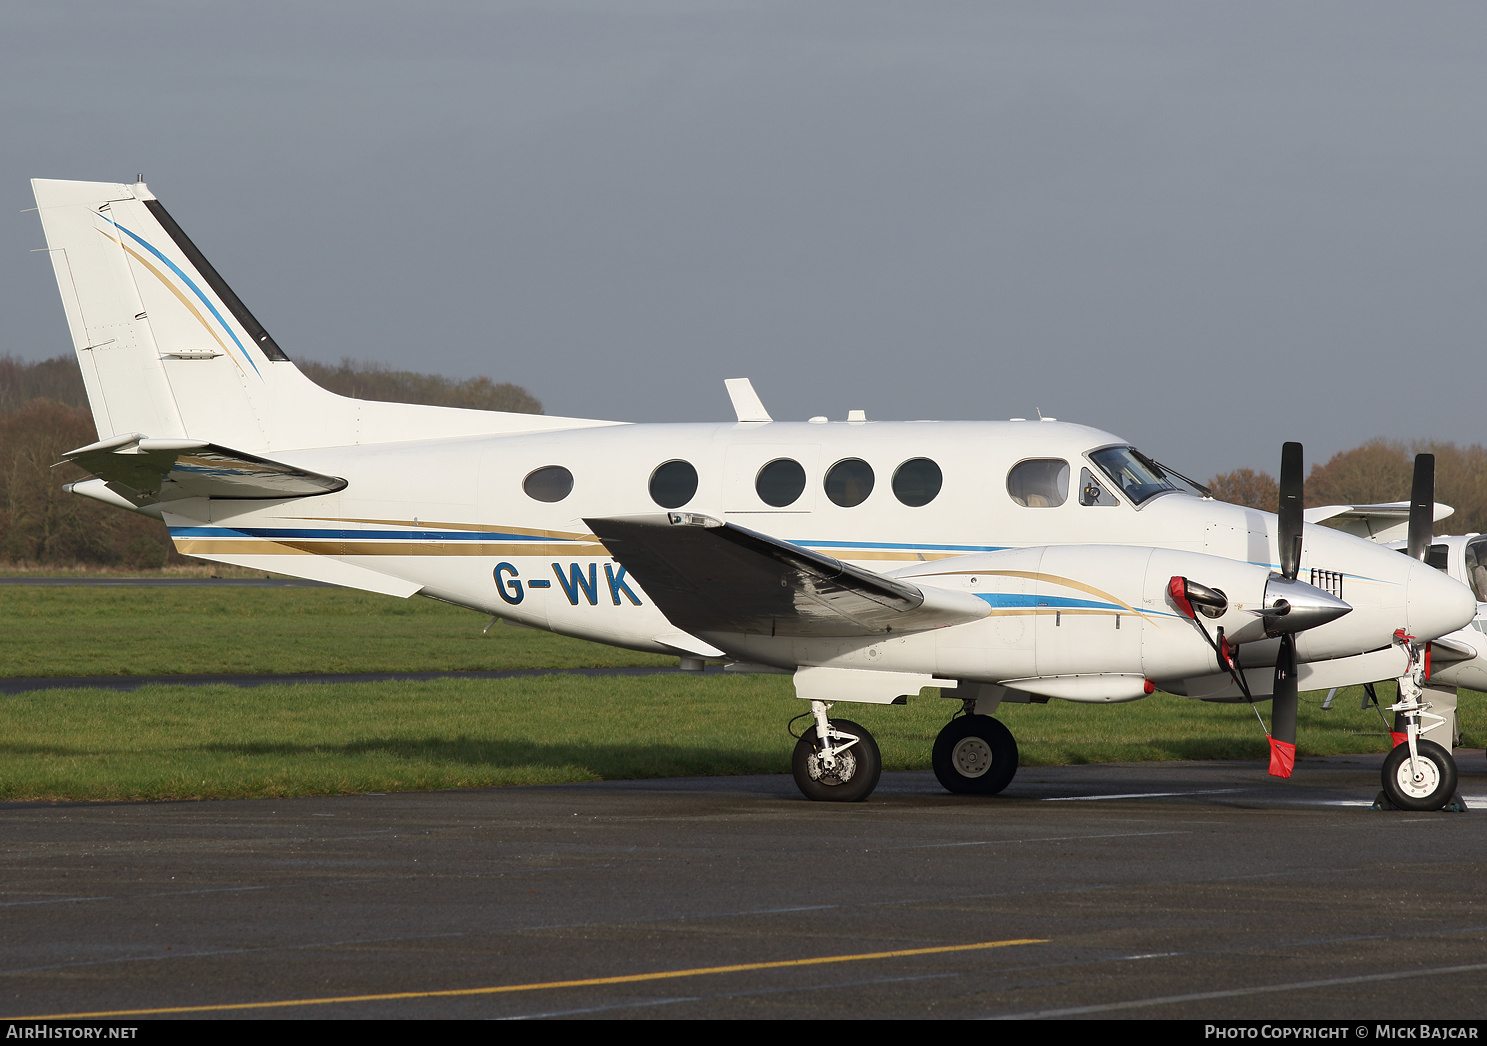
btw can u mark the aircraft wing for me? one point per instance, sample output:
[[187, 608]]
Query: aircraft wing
[[149, 471], [1385, 522], [707, 576]]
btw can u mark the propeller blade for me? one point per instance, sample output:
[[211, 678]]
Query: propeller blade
[[1284, 703], [1288, 530], [1422, 506]]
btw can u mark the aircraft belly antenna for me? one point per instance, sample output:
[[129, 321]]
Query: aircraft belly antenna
[[746, 402]]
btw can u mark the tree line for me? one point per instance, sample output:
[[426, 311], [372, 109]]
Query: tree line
[[44, 413], [1380, 470]]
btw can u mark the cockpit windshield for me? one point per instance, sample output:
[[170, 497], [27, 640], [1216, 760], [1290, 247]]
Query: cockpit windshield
[[1138, 476], [1476, 567]]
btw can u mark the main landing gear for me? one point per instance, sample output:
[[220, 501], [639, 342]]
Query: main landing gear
[[974, 755], [844, 768]]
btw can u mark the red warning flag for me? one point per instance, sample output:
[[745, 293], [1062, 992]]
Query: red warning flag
[[1398, 737], [1282, 757]]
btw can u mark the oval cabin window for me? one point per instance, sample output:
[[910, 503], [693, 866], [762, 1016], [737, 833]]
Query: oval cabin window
[[549, 483], [1039, 482], [780, 483], [917, 482], [849, 482], [673, 484]]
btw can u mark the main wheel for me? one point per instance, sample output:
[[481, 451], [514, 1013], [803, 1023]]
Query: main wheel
[[1435, 784], [975, 755], [852, 779]]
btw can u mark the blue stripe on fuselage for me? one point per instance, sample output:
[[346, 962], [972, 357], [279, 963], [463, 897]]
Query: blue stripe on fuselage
[[1018, 599]]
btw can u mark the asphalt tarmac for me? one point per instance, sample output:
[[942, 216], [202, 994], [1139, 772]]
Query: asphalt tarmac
[[1192, 890]]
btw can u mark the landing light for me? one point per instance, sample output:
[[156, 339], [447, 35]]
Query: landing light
[[692, 519]]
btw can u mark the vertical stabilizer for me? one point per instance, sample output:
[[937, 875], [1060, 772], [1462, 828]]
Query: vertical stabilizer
[[169, 351]]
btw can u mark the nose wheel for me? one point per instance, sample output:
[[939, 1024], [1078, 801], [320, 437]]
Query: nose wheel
[[975, 755], [1426, 782]]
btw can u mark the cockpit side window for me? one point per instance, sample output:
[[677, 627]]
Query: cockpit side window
[[1137, 476], [1092, 491], [1476, 567], [1039, 482]]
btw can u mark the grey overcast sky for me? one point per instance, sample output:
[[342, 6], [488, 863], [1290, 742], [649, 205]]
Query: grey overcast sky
[[1208, 227]]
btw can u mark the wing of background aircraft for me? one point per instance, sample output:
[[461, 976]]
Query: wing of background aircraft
[[707, 576], [1385, 522]]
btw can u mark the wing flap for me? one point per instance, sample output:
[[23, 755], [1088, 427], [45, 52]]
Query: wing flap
[[708, 577], [149, 471]]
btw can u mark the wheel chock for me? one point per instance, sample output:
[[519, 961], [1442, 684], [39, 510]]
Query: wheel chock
[[1457, 805]]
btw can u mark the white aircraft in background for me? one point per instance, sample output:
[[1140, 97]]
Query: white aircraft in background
[[1458, 659], [1000, 561]]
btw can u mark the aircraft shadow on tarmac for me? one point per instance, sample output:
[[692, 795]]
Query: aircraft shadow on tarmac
[[627, 760]]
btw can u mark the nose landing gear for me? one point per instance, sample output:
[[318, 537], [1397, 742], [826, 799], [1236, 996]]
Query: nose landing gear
[[1418, 774]]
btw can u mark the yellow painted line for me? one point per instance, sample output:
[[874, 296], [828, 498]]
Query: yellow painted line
[[501, 989]]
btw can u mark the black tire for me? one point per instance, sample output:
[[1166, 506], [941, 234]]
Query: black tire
[[1437, 785], [975, 755], [856, 774]]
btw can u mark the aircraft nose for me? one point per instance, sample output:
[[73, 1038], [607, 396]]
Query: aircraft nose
[[1435, 603]]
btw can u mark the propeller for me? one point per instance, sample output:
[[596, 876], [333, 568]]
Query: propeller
[[1422, 507], [1289, 606], [1289, 513], [1285, 698]]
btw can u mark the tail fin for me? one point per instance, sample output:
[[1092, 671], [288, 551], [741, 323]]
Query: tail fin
[[169, 351]]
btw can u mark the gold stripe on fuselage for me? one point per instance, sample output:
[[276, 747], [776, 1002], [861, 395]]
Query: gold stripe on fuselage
[[429, 524]]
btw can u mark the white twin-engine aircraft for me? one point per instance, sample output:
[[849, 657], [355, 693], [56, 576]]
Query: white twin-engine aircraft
[[1000, 561]]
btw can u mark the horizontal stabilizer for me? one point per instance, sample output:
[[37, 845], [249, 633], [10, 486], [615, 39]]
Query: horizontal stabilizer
[[707, 577], [149, 471]]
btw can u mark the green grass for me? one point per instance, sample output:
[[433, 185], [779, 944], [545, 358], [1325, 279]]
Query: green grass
[[67, 631], [169, 742], [163, 742]]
